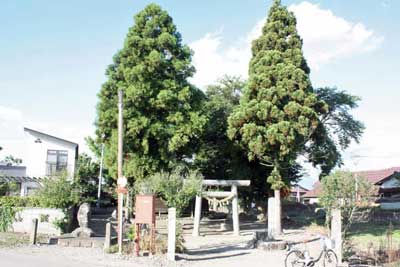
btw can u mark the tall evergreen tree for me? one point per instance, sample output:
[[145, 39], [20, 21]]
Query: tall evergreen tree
[[162, 117], [279, 110]]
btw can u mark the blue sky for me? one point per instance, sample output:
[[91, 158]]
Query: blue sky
[[54, 53]]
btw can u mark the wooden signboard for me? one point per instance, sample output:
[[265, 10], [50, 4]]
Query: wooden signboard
[[145, 209]]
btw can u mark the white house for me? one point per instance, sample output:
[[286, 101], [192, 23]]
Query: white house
[[45, 156]]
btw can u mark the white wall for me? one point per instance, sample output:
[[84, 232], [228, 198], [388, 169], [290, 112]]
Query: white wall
[[24, 217], [36, 153]]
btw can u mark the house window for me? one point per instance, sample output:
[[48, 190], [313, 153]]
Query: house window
[[57, 161]]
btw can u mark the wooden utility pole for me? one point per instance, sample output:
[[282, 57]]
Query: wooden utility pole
[[100, 177], [120, 132], [120, 159]]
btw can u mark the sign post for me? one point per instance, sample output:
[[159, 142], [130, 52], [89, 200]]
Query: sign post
[[145, 214]]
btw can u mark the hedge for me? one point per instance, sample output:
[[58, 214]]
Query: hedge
[[18, 202]]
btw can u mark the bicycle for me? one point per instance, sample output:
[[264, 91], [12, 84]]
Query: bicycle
[[298, 258]]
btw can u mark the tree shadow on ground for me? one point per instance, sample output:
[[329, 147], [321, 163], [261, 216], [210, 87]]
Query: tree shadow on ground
[[216, 252]]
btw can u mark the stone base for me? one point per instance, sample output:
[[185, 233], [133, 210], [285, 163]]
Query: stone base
[[83, 232], [261, 241], [271, 245], [70, 241]]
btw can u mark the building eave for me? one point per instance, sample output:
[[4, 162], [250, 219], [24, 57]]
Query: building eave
[[50, 136]]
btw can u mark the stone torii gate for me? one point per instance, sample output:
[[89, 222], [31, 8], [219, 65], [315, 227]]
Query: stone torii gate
[[227, 195]]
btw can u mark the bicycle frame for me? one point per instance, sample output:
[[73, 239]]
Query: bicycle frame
[[309, 261]]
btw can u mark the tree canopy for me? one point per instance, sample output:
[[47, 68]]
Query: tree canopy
[[238, 129], [279, 109], [162, 110], [336, 130]]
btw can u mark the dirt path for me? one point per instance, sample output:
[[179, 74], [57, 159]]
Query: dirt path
[[85, 257], [51, 256]]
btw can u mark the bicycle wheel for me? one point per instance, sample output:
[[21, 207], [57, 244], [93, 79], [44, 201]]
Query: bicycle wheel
[[294, 258], [330, 259]]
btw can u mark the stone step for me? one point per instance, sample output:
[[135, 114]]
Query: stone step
[[68, 241]]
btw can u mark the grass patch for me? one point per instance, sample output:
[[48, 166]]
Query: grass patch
[[9, 239], [366, 234]]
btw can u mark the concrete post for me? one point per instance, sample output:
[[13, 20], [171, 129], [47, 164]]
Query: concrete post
[[277, 210], [336, 232], [33, 236], [171, 233], [235, 211], [197, 215], [120, 221], [271, 218], [107, 238]]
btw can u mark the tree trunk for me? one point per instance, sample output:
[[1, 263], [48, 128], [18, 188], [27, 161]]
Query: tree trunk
[[278, 208]]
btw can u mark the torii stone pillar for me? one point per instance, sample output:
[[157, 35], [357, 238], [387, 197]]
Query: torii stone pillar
[[336, 232], [233, 194]]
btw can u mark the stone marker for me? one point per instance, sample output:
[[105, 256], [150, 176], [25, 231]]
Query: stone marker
[[107, 238], [197, 216], [271, 218], [33, 236], [336, 232], [277, 215], [84, 214], [171, 233]]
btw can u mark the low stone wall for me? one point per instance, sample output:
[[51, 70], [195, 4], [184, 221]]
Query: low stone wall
[[47, 218]]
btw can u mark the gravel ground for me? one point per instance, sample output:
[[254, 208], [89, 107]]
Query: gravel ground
[[50, 256], [202, 251]]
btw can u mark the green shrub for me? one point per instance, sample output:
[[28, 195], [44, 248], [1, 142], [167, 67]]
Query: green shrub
[[17, 201], [176, 188], [62, 224], [131, 234], [7, 215], [9, 206], [57, 193], [8, 188]]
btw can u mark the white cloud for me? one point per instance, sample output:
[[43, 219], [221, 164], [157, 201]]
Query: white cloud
[[379, 147], [11, 134], [326, 37], [212, 62]]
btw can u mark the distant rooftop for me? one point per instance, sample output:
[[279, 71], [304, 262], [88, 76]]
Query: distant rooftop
[[373, 176]]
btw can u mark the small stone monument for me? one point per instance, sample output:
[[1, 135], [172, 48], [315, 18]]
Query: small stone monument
[[84, 214]]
